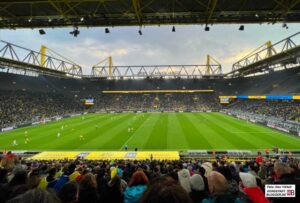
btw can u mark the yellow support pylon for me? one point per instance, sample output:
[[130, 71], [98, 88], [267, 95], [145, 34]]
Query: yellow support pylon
[[110, 65], [207, 64], [43, 55], [270, 49]]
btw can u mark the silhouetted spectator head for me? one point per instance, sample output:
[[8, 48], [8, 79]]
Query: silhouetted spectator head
[[69, 192], [138, 178], [180, 165], [35, 196], [88, 189], [115, 184], [281, 168], [217, 183], [3, 175], [88, 181], [19, 178], [201, 171], [165, 189], [71, 168], [18, 190], [51, 174], [34, 180], [225, 171]]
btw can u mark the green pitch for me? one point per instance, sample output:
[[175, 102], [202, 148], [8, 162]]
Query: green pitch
[[148, 131]]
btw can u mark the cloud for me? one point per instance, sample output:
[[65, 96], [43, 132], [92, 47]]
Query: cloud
[[157, 45], [234, 57], [120, 52]]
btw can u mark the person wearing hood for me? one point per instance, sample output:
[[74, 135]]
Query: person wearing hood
[[249, 186], [184, 177], [198, 192], [136, 187], [208, 168]]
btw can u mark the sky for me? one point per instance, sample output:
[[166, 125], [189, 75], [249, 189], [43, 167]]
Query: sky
[[157, 46]]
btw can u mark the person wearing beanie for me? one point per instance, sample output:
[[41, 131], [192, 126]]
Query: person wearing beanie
[[198, 192], [249, 186]]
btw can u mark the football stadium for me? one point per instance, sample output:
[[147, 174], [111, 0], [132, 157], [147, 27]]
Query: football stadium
[[150, 122]]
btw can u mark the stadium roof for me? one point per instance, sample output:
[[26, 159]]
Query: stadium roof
[[285, 53], [56, 13]]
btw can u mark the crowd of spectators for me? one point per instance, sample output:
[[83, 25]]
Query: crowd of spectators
[[161, 101], [287, 110], [149, 181], [18, 107]]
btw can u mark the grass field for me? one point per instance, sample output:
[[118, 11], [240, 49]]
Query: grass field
[[151, 131]]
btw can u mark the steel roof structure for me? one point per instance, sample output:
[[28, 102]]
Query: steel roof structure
[[17, 58], [285, 53], [58, 13]]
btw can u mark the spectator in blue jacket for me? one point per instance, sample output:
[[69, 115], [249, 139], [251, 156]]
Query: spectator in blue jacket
[[136, 187]]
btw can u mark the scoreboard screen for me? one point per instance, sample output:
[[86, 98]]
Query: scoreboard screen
[[89, 102], [224, 100]]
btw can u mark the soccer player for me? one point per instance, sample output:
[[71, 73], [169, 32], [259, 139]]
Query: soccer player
[[125, 147], [81, 138], [26, 140], [58, 135], [25, 134], [15, 143], [128, 130], [62, 127]]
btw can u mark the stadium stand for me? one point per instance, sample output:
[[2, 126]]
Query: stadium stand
[[144, 176], [133, 181], [20, 107], [36, 88], [53, 96], [154, 102], [287, 110]]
